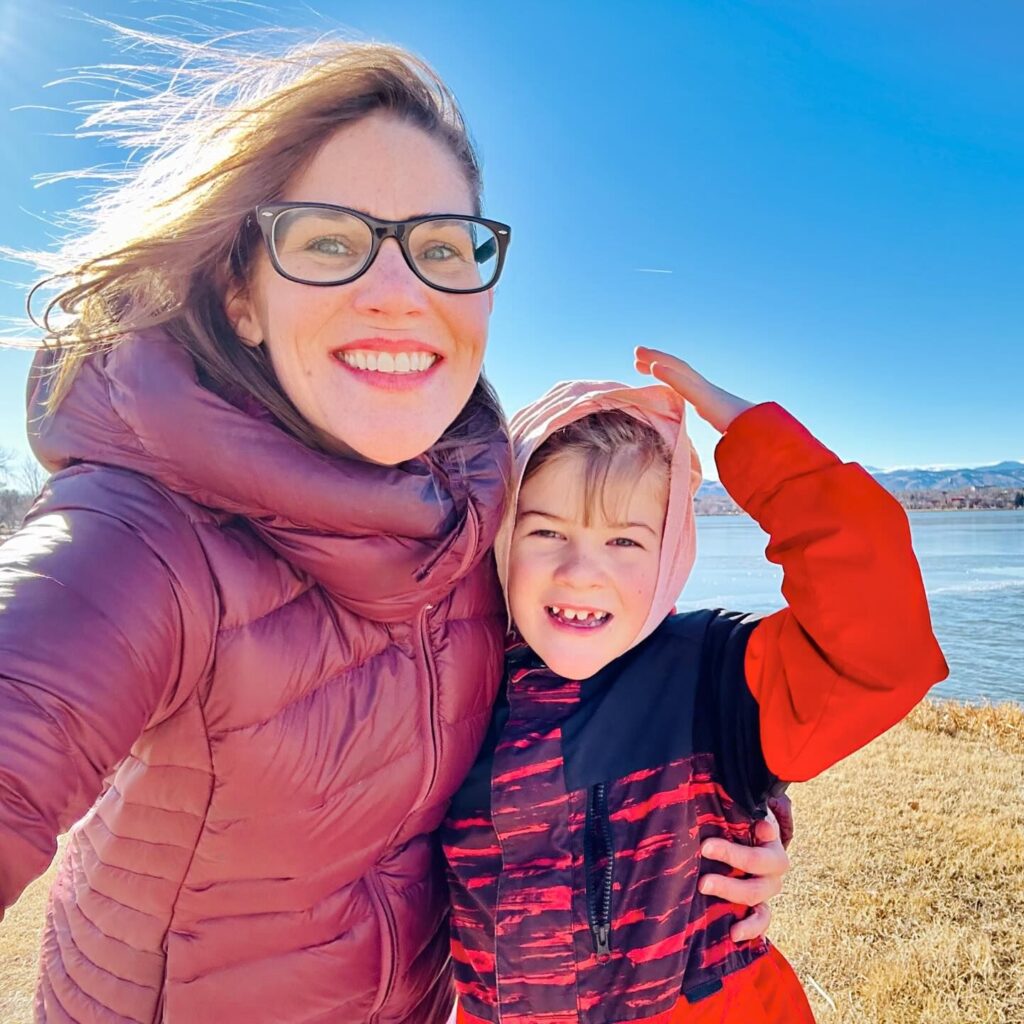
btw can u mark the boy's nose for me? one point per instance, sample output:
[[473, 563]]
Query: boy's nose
[[578, 571]]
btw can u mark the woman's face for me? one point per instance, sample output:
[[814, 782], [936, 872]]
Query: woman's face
[[386, 168]]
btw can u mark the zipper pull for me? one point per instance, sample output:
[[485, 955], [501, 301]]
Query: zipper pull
[[602, 933]]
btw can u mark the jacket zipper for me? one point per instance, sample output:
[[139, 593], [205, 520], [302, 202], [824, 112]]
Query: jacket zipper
[[435, 744], [389, 950], [435, 739], [599, 896]]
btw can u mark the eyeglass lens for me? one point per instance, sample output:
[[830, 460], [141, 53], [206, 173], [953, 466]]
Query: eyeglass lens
[[330, 246]]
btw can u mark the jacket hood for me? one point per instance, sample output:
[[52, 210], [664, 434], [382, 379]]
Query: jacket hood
[[385, 540], [656, 405]]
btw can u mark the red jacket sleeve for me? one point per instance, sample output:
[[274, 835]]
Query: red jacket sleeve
[[92, 649], [854, 650]]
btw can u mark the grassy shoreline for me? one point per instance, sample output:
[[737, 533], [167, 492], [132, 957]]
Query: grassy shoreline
[[905, 904], [906, 898]]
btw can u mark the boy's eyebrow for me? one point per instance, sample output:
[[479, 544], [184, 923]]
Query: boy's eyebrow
[[610, 526]]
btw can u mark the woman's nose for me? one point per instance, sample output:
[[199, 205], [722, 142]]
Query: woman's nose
[[389, 286]]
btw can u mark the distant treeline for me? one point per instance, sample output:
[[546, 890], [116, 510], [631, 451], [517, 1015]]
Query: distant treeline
[[967, 498], [17, 495], [20, 482]]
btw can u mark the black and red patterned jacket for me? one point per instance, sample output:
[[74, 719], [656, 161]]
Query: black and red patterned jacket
[[573, 845]]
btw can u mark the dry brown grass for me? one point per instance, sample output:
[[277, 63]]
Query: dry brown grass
[[19, 951], [906, 900], [999, 724]]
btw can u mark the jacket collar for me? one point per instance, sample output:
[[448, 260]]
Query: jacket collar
[[383, 540]]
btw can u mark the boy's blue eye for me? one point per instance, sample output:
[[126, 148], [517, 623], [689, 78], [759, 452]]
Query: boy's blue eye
[[544, 533], [625, 542]]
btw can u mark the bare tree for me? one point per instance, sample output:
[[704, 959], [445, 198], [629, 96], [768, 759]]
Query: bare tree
[[12, 508], [6, 461], [31, 476]]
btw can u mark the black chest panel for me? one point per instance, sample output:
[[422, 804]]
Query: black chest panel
[[680, 692]]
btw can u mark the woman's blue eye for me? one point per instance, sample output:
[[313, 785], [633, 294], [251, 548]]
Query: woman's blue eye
[[440, 252], [328, 246]]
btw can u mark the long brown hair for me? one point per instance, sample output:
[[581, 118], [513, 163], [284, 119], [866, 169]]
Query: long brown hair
[[226, 129]]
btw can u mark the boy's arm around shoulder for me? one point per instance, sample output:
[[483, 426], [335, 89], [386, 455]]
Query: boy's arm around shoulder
[[103, 619], [854, 650]]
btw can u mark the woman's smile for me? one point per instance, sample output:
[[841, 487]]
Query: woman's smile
[[391, 365]]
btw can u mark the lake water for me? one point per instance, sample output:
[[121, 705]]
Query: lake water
[[973, 568]]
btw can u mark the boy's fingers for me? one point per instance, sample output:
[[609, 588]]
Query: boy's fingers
[[753, 926], [680, 382], [651, 360], [657, 355]]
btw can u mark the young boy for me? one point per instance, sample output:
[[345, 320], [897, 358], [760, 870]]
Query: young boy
[[626, 735]]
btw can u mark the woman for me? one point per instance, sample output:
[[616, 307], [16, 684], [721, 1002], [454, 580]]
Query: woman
[[253, 622]]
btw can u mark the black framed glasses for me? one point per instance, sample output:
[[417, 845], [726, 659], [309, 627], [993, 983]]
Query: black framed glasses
[[322, 244]]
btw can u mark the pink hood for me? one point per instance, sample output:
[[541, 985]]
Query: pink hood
[[658, 406]]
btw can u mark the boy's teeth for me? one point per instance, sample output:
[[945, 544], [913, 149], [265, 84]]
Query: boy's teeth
[[385, 362], [574, 615]]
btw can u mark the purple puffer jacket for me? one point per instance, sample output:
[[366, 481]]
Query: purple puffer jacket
[[272, 668]]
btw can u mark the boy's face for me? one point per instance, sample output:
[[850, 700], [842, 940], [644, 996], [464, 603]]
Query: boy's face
[[579, 594]]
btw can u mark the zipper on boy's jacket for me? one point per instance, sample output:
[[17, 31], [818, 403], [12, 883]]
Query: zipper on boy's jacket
[[598, 845]]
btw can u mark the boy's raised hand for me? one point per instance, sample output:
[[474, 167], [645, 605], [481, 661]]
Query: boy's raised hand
[[713, 404]]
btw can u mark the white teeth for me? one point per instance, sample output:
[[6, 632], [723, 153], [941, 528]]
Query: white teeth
[[577, 615], [385, 362]]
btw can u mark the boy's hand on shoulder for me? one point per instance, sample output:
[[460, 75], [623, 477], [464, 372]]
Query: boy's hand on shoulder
[[716, 406]]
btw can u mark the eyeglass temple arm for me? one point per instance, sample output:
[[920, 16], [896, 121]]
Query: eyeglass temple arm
[[486, 251]]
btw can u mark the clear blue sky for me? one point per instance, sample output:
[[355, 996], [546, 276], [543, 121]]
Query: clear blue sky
[[836, 191]]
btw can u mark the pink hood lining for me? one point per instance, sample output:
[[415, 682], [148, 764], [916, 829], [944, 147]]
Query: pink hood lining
[[661, 408]]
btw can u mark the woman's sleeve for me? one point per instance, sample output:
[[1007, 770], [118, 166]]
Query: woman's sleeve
[[91, 648], [854, 650]]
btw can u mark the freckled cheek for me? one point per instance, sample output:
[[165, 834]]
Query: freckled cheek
[[468, 326], [299, 315]]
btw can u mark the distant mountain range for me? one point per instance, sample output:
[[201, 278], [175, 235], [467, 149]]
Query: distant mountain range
[[1003, 474]]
